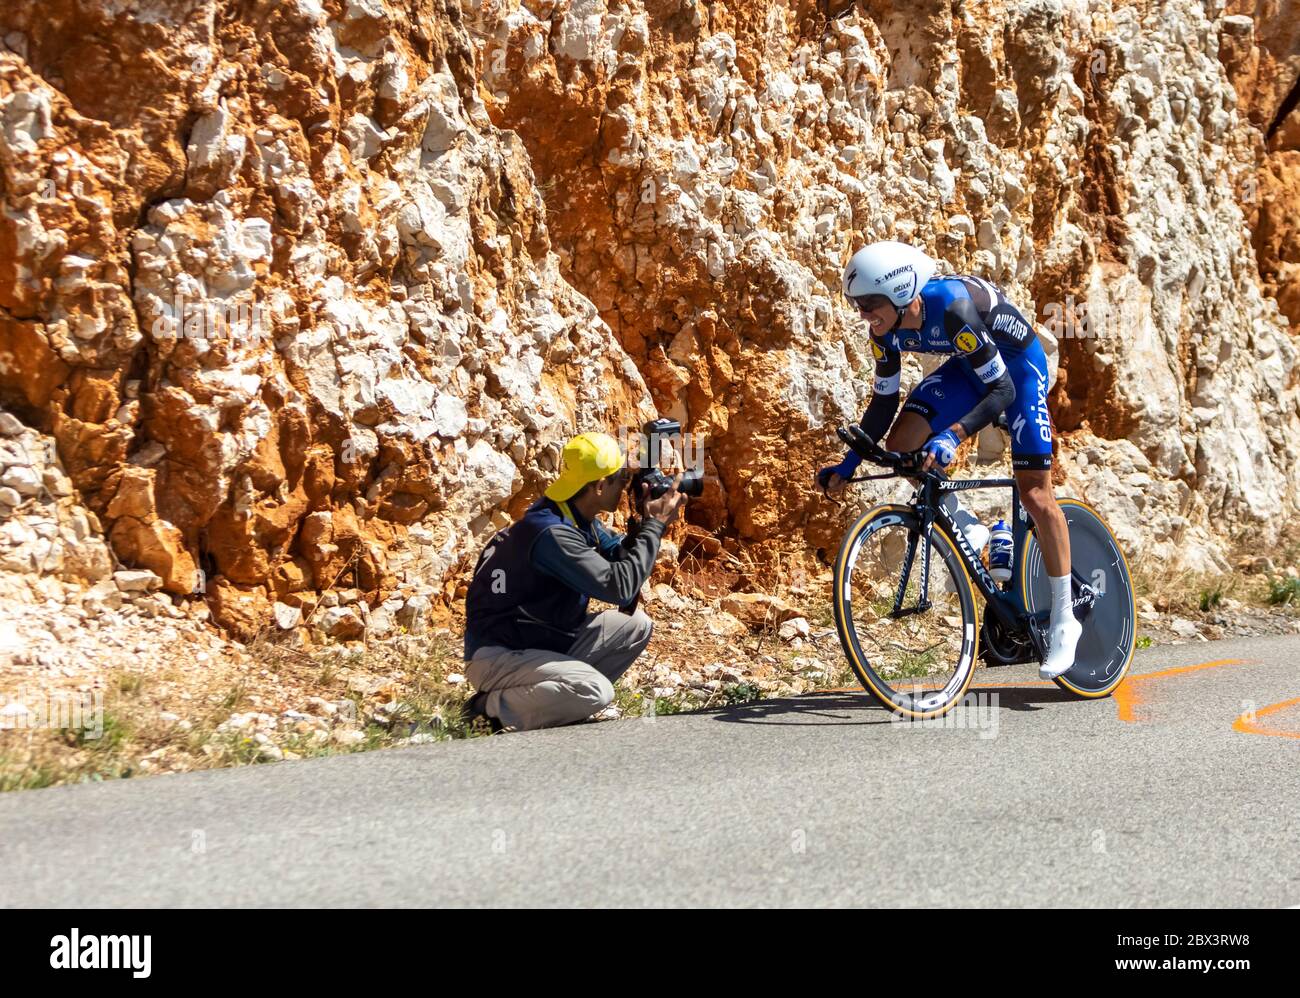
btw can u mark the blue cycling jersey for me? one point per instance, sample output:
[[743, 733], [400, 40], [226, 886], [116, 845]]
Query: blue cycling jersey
[[998, 366], [948, 305]]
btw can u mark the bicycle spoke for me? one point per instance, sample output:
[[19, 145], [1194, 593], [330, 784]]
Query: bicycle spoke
[[910, 642]]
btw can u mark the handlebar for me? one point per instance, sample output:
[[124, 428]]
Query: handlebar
[[866, 448]]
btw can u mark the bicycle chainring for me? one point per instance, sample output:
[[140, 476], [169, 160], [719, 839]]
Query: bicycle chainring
[[998, 646]]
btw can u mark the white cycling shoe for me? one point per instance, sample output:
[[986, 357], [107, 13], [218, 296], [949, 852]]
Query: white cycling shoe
[[1061, 642]]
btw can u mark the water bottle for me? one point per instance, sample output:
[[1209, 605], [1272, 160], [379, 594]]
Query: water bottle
[[1000, 552]]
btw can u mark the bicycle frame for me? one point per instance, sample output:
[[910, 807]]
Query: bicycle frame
[[1008, 605]]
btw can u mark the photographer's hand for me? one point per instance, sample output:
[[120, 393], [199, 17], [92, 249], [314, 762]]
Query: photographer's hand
[[666, 508]]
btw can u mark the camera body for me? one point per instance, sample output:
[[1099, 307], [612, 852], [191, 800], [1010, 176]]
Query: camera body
[[653, 433]]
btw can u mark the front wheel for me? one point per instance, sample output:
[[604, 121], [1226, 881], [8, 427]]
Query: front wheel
[[1105, 648], [905, 613]]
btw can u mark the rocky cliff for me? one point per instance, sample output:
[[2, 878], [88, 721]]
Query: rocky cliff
[[304, 296]]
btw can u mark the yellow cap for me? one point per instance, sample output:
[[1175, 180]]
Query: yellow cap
[[588, 457]]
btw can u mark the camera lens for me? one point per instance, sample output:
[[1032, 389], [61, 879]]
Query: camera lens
[[692, 484]]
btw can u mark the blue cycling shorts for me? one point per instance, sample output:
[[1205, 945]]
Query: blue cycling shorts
[[951, 392]]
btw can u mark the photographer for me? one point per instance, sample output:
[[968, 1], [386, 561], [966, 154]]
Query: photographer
[[536, 656]]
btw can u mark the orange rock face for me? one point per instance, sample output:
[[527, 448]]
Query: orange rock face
[[258, 269], [310, 293], [1260, 49], [709, 168]]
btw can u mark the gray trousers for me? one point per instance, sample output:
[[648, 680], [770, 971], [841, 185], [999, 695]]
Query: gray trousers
[[535, 688]]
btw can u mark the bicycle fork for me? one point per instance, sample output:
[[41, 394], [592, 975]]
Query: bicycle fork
[[923, 600], [909, 559]]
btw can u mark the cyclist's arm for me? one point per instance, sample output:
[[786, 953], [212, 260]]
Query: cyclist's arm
[[882, 407], [962, 323], [884, 392]]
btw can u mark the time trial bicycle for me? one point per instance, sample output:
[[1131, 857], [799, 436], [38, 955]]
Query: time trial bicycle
[[904, 594]]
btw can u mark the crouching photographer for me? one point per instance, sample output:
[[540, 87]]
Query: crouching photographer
[[537, 656]]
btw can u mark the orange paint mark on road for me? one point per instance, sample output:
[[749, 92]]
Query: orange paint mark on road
[[1247, 722], [1128, 695]]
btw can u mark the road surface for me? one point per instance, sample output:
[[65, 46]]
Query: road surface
[[1184, 789]]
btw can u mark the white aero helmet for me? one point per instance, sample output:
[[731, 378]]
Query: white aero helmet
[[896, 270]]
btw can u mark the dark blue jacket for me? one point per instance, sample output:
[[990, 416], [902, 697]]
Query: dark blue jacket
[[534, 580]]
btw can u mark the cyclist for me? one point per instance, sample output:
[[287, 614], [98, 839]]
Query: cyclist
[[997, 366]]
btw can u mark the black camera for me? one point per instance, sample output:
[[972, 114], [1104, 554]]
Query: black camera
[[652, 436]]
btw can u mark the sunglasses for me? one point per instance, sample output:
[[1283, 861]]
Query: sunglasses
[[867, 303]]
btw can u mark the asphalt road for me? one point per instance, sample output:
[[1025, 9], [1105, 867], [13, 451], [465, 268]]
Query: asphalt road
[[1151, 798]]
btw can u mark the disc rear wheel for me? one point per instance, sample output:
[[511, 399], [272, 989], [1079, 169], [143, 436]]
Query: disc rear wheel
[[1105, 648]]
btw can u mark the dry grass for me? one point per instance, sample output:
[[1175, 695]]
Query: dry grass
[[1185, 592], [761, 653], [396, 691], [133, 728]]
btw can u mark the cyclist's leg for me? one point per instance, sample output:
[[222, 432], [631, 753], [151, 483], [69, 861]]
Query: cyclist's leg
[[1030, 426], [1031, 457], [935, 404], [1053, 533], [910, 431]]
